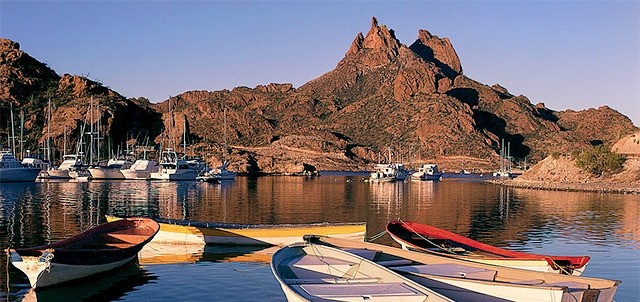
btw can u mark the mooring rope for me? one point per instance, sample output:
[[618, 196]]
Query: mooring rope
[[427, 239], [377, 236]]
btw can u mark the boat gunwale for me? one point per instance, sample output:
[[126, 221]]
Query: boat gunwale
[[223, 225]]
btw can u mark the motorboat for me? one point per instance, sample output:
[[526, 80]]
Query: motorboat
[[140, 169], [427, 172], [12, 170], [174, 168]]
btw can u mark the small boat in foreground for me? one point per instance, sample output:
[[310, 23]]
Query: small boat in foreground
[[194, 232], [429, 239], [97, 250], [310, 272], [463, 280]]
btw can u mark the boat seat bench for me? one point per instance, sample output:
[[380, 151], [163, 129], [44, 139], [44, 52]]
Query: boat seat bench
[[449, 270], [374, 291], [295, 281]]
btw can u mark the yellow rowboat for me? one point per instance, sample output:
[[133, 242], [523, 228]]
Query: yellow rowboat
[[194, 232]]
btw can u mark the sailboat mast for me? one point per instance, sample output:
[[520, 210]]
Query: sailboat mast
[[21, 133], [49, 131], [91, 132], [64, 141], [184, 137], [13, 134]]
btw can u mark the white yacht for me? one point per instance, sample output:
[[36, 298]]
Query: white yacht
[[112, 170], [389, 172], [141, 169], [12, 170], [174, 168], [427, 172], [62, 171], [219, 174]]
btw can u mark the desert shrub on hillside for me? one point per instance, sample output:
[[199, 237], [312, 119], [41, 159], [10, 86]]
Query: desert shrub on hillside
[[599, 160]]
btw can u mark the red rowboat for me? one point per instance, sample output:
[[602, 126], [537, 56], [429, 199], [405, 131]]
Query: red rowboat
[[429, 239]]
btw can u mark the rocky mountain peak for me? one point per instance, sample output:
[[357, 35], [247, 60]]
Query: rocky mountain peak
[[380, 44], [439, 51]]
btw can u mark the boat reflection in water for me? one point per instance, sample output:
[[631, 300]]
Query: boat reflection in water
[[107, 287]]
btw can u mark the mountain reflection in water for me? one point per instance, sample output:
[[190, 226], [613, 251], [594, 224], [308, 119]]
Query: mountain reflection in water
[[603, 226]]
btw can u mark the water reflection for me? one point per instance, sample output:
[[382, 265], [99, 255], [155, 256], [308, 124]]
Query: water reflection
[[603, 226], [107, 287]]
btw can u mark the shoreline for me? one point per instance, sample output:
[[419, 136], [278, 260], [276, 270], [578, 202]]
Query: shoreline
[[594, 187]]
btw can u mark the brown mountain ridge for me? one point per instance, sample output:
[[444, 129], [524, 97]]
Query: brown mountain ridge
[[383, 95]]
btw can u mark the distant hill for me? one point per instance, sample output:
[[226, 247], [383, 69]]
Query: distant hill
[[382, 96]]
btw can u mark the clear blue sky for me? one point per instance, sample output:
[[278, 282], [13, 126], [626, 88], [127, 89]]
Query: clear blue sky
[[569, 54]]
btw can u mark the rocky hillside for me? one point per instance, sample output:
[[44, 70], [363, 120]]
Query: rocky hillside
[[383, 96], [560, 172]]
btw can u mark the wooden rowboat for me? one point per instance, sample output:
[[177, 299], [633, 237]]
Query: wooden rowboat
[[194, 232], [429, 239], [310, 272], [463, 280], [97, 250]]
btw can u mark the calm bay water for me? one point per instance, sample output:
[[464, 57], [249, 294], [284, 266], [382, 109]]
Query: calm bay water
[[603, 226]]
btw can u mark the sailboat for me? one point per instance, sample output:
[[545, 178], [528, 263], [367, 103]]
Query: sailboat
[[221, 173], [173, 167], [505, 168]]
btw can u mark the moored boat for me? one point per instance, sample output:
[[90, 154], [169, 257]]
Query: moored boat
[[388, 173], [194, 232], [310, 272], [97, 250], [140, 169], [174, 168], [427, 172], [463, 280], [112, 170], [12, 170], [429, 239]]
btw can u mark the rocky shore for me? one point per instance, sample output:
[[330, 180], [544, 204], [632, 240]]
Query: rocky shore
[[596, 187]]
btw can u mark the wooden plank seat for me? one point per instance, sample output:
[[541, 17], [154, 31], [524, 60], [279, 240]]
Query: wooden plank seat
[[332, 281], [449, 270], [374, 292]]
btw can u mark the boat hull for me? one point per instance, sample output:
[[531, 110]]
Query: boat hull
[[189, 232], [101, 173], [43, 273], [19, 174], [137, 175], [99, 249], [57, 174], [179, 175]]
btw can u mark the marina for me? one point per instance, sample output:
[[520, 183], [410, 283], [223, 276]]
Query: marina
[[603, 226]]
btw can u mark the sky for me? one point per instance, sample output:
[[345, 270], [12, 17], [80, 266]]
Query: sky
[[565, 54]]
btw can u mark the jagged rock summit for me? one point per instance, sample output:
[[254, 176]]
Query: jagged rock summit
[[383, 95]]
